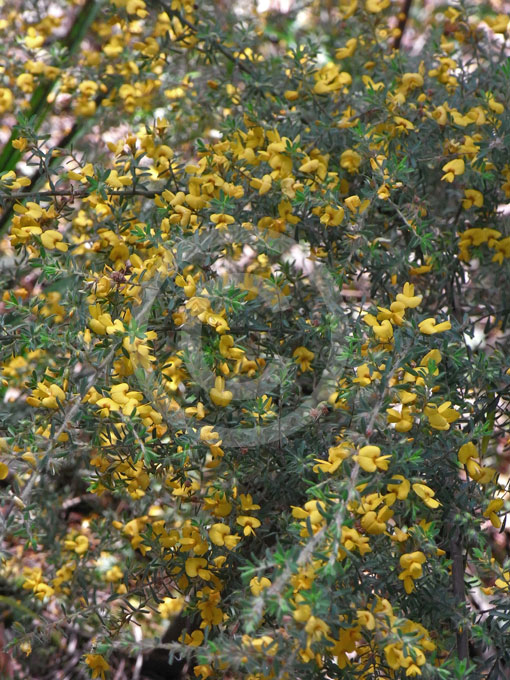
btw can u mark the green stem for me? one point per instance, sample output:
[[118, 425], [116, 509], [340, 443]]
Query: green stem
[[490, 419]]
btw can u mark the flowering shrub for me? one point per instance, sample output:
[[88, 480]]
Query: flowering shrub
[[254, 346]]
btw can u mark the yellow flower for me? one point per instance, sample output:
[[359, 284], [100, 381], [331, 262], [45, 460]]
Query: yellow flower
[[401, 489], [426, 494], [376, 6], [366, 619], [171, 606], [473, 197], [222, 221], [441, 416], [116, 181], [309, 166], [353, 202], [375, 522], [198, 305], [80, 544], [114, 574], [304, 358], [452, 169], [411, 563], [47, 395], [369, 458], [195, 639], [263, 185], [429, 326], [187, 284], [350, 160], [194, 566], [97, 664], [466, 452], [26, 647], [247, 502], [249, 524], [6, 99], [402, 124], [257, 585], [220, 535], [291, 95], [494, 105], [336, 455], [25, 82], [101, 323], [302, 613], [383, 331], [384, 192], [348, 50], [352, 540], [207, 434], [52, 239], [347, 8], [316, 629], [332, 216], [411, 81], [218, 394], [408, 298], [499, 23], [402, 418], [490, 511]]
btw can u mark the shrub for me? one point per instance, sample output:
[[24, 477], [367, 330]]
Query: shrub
[[254, 339]]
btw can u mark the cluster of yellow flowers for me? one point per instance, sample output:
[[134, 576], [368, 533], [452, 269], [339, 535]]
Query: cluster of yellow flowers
[[339, 157]]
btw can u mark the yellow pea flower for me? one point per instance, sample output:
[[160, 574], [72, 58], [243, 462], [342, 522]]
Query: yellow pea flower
[[429, 326], [473, 198], [374, 523], [366, 619], [353, 202], [401, 488], [218, 533], [97, 664], [452, 169], [408, 298], [348, 50], [383, 331], [441, 416], [350, 160], [171, 606], [194, 566], [218, 394], [304, 358], [369, 458], [6, 99], [257, 585], [249, 524], [376, 6], [52, 238], [426, 494], [466, 452], [411, 563], [490, 511]]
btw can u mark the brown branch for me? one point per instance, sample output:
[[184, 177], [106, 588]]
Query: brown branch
[[77, 194], [404, 16]]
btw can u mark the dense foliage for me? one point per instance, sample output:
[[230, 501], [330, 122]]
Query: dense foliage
[[254, 348]]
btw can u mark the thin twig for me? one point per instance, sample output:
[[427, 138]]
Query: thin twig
[[77, 194]]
